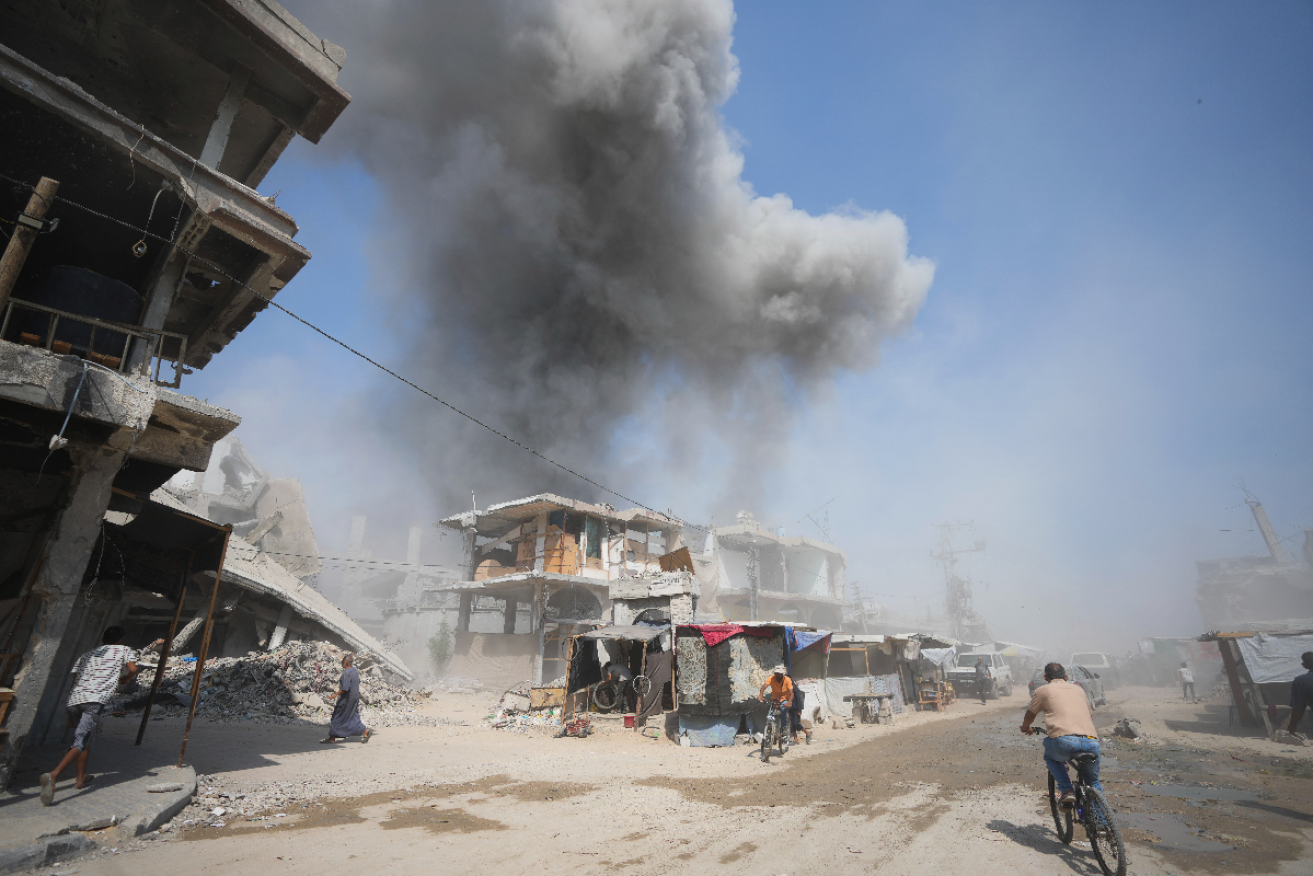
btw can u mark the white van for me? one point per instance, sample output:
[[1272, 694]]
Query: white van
[[1098, 663]]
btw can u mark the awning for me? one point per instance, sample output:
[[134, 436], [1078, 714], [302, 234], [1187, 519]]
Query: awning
[[626, 632]]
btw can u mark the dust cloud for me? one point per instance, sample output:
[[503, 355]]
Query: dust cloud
[[572, 254]]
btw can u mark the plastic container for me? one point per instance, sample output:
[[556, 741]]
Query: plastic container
[[629, 722]]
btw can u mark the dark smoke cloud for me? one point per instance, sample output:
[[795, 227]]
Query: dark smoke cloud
[[582, 259]]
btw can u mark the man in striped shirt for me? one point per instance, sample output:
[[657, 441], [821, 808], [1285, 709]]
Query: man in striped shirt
[[99, 673]]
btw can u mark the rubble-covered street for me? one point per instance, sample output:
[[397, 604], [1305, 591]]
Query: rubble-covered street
[[952, 793]]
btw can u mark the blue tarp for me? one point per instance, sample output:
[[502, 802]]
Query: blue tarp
[[709, 731], [802, 639]]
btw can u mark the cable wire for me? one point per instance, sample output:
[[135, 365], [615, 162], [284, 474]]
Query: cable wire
[[344, 345]]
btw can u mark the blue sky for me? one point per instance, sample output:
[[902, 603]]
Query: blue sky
[[1117, 199]]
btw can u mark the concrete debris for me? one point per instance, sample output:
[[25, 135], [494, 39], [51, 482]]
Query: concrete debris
[[547, 720], [1128, 728], [287, 684]]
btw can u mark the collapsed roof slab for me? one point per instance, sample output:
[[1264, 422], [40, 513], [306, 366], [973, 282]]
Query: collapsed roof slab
[[251, 569]]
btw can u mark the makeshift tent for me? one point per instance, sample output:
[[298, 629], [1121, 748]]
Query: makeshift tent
[[719, 673], [859, 665], [643, 648], [1259, 667]]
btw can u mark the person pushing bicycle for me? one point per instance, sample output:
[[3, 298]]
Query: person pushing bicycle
[[1070, 727]]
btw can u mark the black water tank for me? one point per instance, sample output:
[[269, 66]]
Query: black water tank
[[85, 293]]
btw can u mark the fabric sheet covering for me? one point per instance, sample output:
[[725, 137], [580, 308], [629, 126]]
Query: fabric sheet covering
[[714, 634], [939, 656], [1273, 659], [657, 669], [724, 679], [691, 651], [838, 688], [708, 731]]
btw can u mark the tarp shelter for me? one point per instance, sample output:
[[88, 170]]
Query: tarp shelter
[[720, 668], [1259, 668], [859, 664], [643, 648]]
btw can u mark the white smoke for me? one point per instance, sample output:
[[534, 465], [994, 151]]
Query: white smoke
[[581, 251]]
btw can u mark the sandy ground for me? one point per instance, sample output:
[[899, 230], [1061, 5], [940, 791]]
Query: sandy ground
[[937, 794]]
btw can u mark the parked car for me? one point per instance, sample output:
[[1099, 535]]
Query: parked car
[[1079, 676], [1097, 661], [963, 675]]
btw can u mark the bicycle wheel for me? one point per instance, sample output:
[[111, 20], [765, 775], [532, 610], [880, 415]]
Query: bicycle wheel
[[1062, 820], [767, 740], [642, 684], [605, 696], [1103, 833]]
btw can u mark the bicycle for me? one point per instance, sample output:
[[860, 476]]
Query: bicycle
[[774, 734], [1092, 811]]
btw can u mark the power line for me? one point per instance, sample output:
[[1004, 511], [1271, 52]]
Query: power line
[[267, 300]]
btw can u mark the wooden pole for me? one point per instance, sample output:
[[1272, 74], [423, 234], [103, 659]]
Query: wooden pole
[[164, 652], [205, 645], [1233, 677], [11, 263]]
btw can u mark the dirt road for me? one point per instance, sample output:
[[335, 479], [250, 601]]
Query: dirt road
[[960, 793]]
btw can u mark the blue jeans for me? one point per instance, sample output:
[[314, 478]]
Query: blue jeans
[[1059, 749]]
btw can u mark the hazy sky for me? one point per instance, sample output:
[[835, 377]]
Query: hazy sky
[[1117, 203]]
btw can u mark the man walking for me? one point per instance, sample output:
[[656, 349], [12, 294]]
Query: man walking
[[1301, 693], [346, 720], [982, 679], [1070, 726], [1187, 682], [99, 673]]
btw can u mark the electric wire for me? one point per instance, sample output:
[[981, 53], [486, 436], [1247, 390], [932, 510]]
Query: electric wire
[[344, 345]]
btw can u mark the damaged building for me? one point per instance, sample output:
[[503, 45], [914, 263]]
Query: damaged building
[[129, 130], [536, 572], [756, 574], [1270, 592]]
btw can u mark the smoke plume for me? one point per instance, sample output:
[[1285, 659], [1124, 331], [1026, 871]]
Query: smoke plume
[[581, 262]]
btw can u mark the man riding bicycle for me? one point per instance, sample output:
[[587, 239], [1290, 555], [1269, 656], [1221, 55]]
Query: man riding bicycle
[[781, 691], [1070, 726]]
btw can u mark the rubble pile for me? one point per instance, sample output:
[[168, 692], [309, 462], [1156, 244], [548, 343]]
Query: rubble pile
[[286, 684], [542, 721]]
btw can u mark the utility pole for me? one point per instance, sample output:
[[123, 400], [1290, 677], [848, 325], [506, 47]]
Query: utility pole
[[30, 222], [957, 590]]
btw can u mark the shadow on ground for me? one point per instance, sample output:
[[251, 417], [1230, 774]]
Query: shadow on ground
[[1041, 838]]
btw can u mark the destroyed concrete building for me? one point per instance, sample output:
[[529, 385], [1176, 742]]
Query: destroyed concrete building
[[535, 572], [757, 574], [128, 129], [1272, 592]]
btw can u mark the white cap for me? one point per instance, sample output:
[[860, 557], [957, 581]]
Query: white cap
[[779, 669]]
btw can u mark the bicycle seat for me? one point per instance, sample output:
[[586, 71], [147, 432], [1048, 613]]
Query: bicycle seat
[[1084, 757]]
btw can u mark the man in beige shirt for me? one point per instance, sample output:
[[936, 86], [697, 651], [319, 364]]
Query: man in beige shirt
[[1070, 727]]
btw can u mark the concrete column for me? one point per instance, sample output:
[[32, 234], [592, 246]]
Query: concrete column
[[216, 142], [468, 555], [539, 606], [754, 588], [508, 624], [162, 290], [540, 545], [56, 587], [463, 615], [280, 628]]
